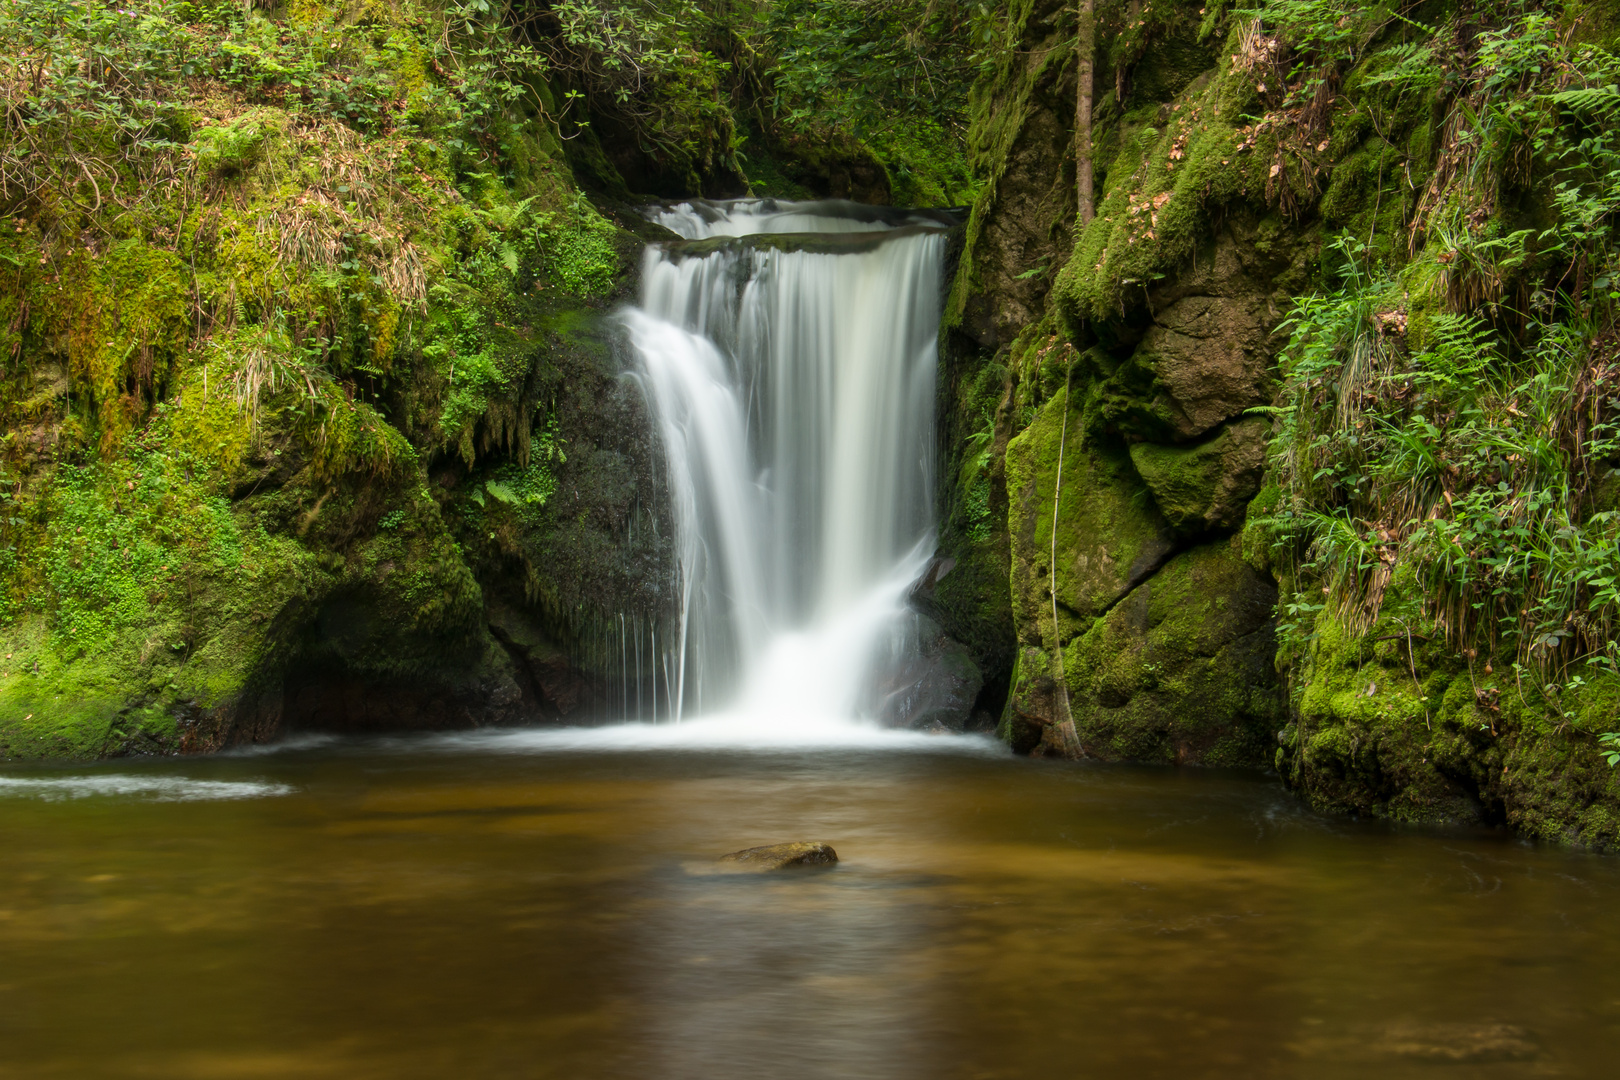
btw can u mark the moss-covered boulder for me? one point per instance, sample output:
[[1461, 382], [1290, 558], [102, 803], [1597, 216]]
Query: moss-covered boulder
[[1208, 486], [1389, 723], [1182, 669], [1209, 361], [1109, 537]]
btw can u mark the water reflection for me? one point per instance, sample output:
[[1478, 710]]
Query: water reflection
[[424, 913], [791, 974]]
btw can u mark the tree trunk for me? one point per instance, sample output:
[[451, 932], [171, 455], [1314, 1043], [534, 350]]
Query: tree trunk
[[1085, 51]]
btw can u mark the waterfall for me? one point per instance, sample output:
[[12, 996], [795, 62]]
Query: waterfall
[[788, 355]]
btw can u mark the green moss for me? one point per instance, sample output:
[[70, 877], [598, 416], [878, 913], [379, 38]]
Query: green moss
[[1180, 670], [234, 148], [1005, 102], [1258, 534], [1109, 535], [926, 166], [1208, 485], [149, 601], [1171, 166], [223, 397], [1393, 726]]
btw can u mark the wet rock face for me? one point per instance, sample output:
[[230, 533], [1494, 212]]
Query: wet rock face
[[1198, 350], [1181, 669], [1166, 633], [782, 856], [1135, 613], [1209, 361], [1109, 535], [551, 684], [1026, 221], [935, 685]]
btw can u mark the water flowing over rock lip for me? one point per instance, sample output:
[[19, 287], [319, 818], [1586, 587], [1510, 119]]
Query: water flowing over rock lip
[[850, 243], [705, 214]]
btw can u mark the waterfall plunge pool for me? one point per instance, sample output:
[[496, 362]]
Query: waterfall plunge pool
[[513, 904], [544, 902]]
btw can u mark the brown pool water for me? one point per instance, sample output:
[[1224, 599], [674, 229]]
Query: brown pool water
[[469, 908]]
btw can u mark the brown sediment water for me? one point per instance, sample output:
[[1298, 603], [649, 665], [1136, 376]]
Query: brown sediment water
[[475, 908]]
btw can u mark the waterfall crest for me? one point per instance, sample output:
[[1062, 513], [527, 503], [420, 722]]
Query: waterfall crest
[[792, 383]]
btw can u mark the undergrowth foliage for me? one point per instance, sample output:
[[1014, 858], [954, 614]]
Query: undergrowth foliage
[[262, 264], [1448, 432]]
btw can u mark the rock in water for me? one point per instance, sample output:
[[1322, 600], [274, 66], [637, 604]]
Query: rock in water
[[782, 856]]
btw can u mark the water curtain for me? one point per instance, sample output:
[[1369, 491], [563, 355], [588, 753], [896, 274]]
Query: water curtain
[[788, 352]]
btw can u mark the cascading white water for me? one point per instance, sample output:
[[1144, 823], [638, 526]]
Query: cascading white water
[[792, 381]]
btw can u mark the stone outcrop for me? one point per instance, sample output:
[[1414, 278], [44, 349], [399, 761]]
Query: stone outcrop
[[935, 685], [1208, 486], [1133, 610]]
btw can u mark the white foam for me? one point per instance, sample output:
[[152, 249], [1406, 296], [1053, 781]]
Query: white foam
[[306, 741], [151, 788], [733, 731]]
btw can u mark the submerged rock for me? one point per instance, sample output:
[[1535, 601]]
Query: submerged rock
[[782, 856]]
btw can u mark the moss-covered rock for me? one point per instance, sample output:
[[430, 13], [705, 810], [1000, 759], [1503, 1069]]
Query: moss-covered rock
[[1109, 535], [966, 589], [1208, 486], [1209, 362], [1020, 138], [1216, 189], [1391, 724], [1182, 670]]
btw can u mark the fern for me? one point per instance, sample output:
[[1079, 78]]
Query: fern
[[1594, 101], [1411, 66]]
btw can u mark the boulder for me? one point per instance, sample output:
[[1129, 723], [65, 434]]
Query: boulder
[[1182, 669], [1210, 358], [1206, 487], [783, 856], [1111, 536]]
